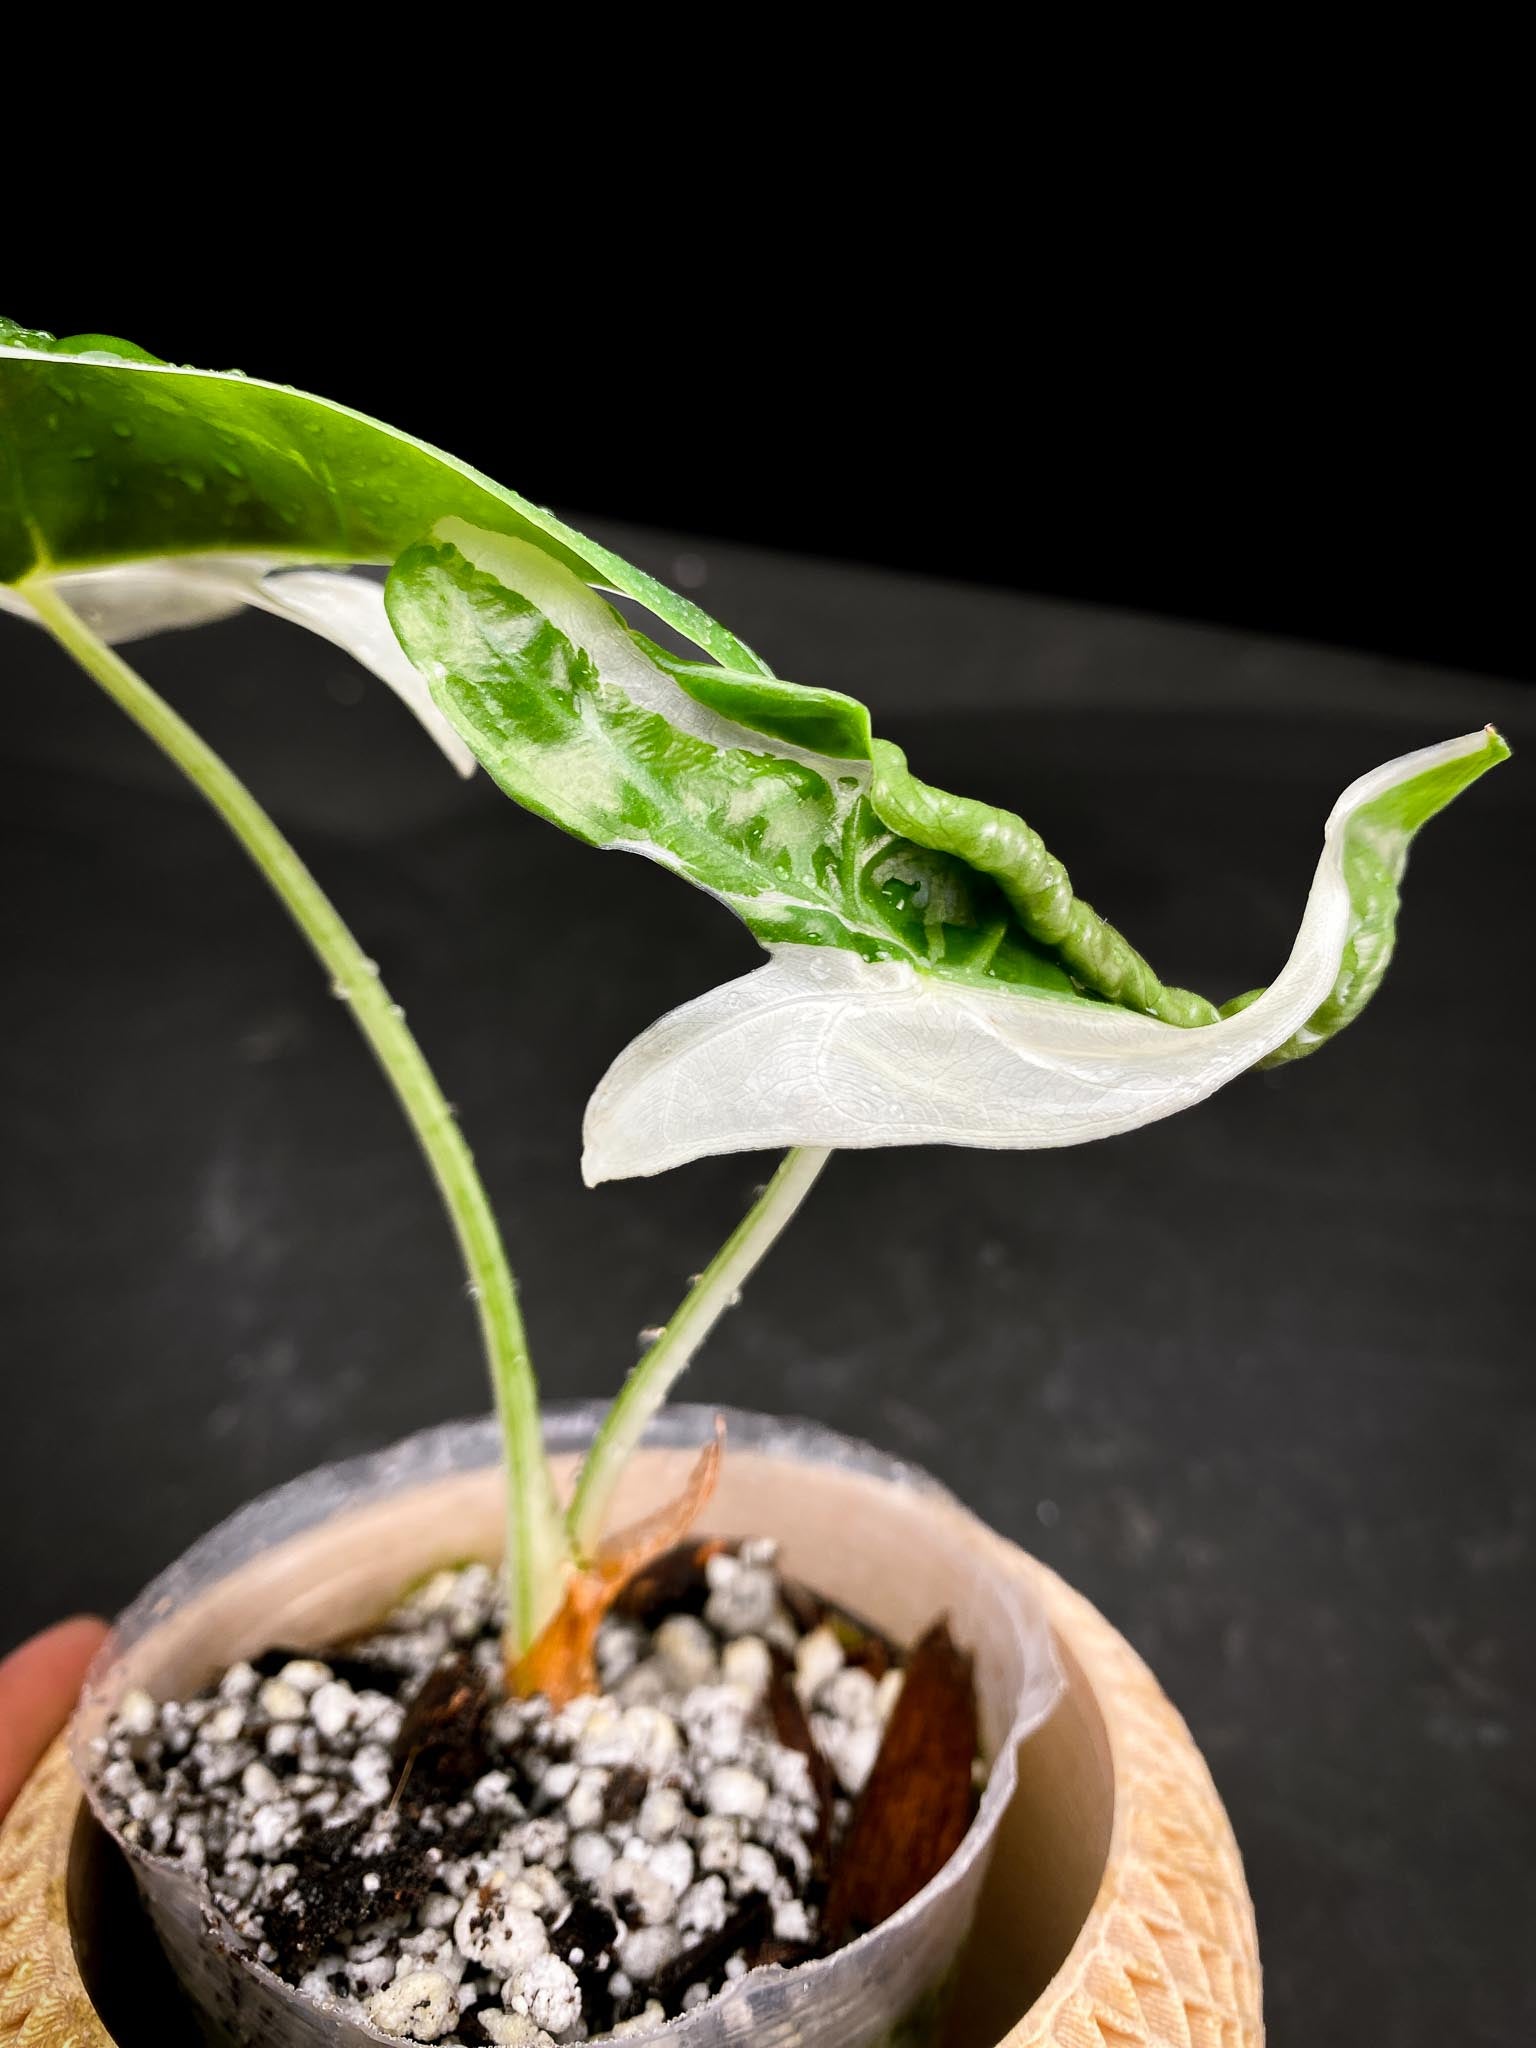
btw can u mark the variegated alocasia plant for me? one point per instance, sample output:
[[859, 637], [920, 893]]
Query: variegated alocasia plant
[[932, 976]]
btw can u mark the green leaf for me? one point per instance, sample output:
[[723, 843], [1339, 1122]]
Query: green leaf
[[109, 456], [1375, 857], [825, 721], [1035, 885]]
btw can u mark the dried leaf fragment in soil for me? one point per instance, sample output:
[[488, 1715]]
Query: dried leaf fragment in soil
[[792, 1729], [748, 1927], [914, 1812], [673, 1583], [441, 1745]]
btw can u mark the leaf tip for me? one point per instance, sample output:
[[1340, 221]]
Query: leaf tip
[[612, 1148], [596, 1165]]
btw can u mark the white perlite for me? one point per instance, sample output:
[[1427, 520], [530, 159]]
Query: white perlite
[[735, 1793], [817, 1657], [514, 2030], [661, 1813], [743, 1595], [491, 1931], [654, 1811], [747, 1664], [281, 1701], [547, 1991], [687, 1650], [137, 1714], [331, 1706], [419, 2006]]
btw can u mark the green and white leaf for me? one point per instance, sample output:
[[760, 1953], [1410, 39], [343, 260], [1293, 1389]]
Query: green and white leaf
[[934, 977], [569, 713], [153, 496], [821, 1048]]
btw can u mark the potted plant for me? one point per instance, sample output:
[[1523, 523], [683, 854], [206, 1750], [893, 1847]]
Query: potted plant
[[642, 1781]]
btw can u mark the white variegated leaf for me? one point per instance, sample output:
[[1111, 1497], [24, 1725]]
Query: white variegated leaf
[[349, 611], [130, 600]]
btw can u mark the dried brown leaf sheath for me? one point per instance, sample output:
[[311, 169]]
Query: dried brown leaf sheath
[[913, 1813], [560, 1664]]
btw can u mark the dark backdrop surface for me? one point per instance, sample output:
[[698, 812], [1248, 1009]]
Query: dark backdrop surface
[[1257, 1379]]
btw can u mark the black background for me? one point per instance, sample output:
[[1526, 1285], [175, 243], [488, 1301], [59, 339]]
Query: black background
[[1309, 417], [1257, 1379]]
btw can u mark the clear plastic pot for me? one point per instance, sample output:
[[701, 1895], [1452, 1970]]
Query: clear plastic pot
[[325, 1556]]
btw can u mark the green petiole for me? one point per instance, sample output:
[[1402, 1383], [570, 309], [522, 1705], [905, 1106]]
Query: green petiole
[[647, 1387], [536, 1549]]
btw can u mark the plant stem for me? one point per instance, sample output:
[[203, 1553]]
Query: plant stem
[[535, 1544], [696, 1315]]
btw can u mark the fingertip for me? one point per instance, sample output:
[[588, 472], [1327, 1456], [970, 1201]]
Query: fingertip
[[39, 1683], [81, 1635], [56, 1661]]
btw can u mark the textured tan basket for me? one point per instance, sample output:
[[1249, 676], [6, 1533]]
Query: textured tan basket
[[1165, 1958]]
